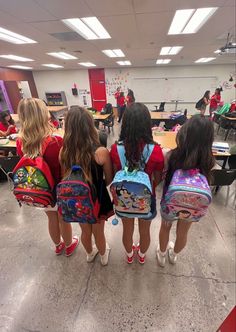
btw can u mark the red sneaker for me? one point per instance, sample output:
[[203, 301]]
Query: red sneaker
[[131, 259], [59, 249], [141, 259], [72, 247]]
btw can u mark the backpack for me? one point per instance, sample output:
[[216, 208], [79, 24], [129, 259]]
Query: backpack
[[199, 104], [33, 181], [132, 191], [224, 109], [77, 200], [188, 196], [108, 109]]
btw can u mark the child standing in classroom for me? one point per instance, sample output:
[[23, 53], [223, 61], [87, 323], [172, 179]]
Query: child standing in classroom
[[215, 101], [81, 147], [135, 134], [36, 136], [193, 154]]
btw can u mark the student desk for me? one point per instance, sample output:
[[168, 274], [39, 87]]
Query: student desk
[[163, 116]]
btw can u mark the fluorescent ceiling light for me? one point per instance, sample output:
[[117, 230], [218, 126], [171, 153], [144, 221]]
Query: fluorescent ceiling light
[[217, 51], [62, 55], [190, 20], [87, 27], [19, 67], [14, 38], [162, 61], [87, 64], [124, 63], [171, 50], [116, 53], [15, 57], [52, 65], [202, 60]]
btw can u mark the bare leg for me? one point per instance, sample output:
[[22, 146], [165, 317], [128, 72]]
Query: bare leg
[[66, 231], [86, 237], [144, 233], [99, 236], [181, 235], [53, 226], [164, 235], [128, 231]]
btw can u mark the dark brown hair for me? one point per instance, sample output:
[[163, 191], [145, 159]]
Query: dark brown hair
[[3, 120]]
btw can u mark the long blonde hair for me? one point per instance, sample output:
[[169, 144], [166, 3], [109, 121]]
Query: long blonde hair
[[35, 125], [80, 141]]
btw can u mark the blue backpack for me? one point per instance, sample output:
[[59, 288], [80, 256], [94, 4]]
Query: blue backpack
[[77, 199], [132, 191]]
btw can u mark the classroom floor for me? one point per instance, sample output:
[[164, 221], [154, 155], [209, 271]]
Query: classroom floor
[[41, 292]]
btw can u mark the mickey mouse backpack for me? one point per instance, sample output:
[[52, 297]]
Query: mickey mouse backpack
[[132, 191], [188, 196], [33, 181], [77, 199]]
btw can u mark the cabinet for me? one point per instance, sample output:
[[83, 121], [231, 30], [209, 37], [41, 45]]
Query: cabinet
[[56, 98]]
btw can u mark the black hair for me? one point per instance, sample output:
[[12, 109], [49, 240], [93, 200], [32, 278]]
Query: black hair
[[207, 94], [3, 120], [131, 94], [136, 130], [194, 148], [218, 90]]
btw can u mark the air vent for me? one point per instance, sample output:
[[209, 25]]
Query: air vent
[[67, 36]]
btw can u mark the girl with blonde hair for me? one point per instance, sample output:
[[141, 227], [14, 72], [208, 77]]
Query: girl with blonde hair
[[36, 137], [81, 147]]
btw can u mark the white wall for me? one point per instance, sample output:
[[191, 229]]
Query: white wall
[[63, 80], [151, 91]]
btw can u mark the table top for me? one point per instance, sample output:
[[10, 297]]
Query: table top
[[167, 140], [231, 119], [163, 115], [57, 108]]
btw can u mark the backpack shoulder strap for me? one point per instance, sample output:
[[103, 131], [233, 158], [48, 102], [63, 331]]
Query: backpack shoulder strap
[[147, 151], [121, 153]]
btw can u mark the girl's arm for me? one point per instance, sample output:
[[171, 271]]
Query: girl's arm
[[206, 101], [102, 157]]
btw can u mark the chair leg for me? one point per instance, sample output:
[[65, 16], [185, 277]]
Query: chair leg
[[218, 129], [227, 133], [227, 196]]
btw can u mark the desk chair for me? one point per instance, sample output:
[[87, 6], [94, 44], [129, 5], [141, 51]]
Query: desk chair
[[161, 107], [224, 177], [7, 164], [225, 124], [109, 122]]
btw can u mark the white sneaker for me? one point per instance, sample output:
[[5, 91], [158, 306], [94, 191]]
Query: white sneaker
[[161, 257], [92, 255], [105, 257], [172, 256]]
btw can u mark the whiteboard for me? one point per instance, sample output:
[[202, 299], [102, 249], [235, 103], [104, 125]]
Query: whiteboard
[[158, 89]]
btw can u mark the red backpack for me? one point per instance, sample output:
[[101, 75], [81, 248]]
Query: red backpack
[[33, 181]]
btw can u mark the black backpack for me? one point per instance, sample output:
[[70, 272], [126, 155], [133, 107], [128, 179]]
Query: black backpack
[[108, 109]]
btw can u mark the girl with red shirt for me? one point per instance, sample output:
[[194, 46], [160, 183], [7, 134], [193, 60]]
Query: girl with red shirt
[[7, 124], [130, 97], [135, 134], [215, 101], [36, 132]]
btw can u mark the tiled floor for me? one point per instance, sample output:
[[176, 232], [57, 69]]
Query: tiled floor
[[40, 292]]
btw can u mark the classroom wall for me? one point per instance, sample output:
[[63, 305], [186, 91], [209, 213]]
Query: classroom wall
[[150, 90], [63, 80]]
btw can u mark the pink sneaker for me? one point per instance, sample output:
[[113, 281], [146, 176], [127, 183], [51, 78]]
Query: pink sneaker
[[59, 249], [72, 247]]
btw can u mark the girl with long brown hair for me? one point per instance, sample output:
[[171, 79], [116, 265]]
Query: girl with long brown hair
[[35, 131], [81, 147]]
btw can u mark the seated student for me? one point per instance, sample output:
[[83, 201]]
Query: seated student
[[7, 124], [54, 121]]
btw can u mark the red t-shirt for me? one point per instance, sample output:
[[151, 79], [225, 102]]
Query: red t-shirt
[[155, 162], [215, 100], [121, 101], [4, 128], [51, 156]]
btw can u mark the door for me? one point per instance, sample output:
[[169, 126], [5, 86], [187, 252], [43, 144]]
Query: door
[[97, 88]]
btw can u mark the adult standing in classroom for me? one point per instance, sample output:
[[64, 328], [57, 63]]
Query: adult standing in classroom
[[203, 102], [215, 101]]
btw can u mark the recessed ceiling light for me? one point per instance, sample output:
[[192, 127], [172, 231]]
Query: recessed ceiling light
[[20, 67], [124, 63], [87, 27], [15, 57], [190, 20], [116, 53], [14, 38], [217, 51], [87, 64], [52, 65], [170, 50], [202, 60], [162, 61], [62, 55]]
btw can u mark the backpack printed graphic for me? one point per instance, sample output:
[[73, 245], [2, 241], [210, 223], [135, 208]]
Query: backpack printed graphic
[[132, 191], [77, 200], [188, 196], [33, 182]]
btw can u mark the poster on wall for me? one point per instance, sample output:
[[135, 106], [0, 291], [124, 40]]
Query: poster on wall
[[119, 80]]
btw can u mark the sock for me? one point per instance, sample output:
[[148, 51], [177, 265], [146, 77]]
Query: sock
[[57, 245], [130, 254], [140, 254], [163, 253]]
